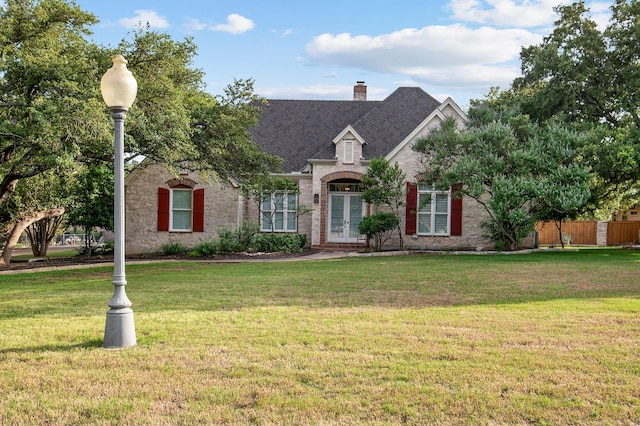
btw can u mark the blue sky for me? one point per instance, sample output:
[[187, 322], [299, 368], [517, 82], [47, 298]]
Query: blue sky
[[297, 49]]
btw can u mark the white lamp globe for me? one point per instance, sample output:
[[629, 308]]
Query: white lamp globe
[[118, 85]]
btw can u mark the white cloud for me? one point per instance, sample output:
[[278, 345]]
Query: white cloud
[[236, 24], [454, 55], [283, 34], [143, 18], [195, 25], [517, 13]]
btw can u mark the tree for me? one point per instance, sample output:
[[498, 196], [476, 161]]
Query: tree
[[383, 185], [42, 233], [36, 205], [94, 207], [590, 78], [517, 170], [49, 102], [52, 113]]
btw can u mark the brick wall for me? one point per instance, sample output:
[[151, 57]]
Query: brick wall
[[141, 200]]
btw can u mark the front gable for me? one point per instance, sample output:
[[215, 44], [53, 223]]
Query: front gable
[[447, 109], [348, 146]]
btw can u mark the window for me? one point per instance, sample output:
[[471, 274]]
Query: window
[[278, 212], [348, 151], [181, 209], [422, 219], [432, 210]]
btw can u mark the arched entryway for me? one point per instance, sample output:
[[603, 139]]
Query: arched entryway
[[342, 209]]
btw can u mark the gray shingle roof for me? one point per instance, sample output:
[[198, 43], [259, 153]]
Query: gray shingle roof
[[299, 130]]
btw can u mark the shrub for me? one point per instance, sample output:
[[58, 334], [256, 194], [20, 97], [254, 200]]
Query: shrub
[[105, 248], [271, 243], [238, 240], [205, 248], [174, 248], [245, 234], [378, 227], [228, 242]]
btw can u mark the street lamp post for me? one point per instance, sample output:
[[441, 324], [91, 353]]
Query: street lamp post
[[119, 87]]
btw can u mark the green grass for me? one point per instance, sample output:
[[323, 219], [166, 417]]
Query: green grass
[[52, 254], [544, 338]]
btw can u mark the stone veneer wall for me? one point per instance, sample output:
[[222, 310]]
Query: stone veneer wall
[[472, 212], [141, 212]]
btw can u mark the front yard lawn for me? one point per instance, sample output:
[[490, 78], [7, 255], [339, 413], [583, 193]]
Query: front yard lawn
[[545, 338]]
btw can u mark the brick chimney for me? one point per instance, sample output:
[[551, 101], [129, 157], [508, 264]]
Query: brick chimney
[[360, 91]]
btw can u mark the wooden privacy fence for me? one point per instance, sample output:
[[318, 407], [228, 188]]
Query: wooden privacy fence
[[579, 233], [590, 233], [620, 233]]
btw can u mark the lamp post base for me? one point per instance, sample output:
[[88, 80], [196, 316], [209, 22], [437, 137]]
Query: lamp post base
[[119, 331]]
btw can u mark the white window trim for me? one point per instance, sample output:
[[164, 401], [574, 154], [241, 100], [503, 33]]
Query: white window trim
[[285, 213], [349, 151], [171, 209], [432, 214]]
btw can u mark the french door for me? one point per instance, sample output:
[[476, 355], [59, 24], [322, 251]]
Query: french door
[[346, 212]]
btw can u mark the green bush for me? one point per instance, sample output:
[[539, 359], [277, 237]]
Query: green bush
[[228, 241], [105, 248], [205, 248], [245, 238], [271, 243], [174, 248], [238, 240], [378, 227]]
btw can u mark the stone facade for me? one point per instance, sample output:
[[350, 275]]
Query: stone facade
[[221, 204]]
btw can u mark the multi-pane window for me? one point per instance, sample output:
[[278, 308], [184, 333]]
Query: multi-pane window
[[181, 209], [278, 212], [433, 211]]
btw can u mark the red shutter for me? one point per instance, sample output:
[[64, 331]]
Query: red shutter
[[412, 207], [456, 211], [198, 210], [163, 209]]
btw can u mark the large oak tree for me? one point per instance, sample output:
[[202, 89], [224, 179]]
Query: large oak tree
[[590, 77], [52, 113]]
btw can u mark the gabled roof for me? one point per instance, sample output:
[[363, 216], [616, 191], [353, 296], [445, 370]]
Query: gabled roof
[[299, 130]]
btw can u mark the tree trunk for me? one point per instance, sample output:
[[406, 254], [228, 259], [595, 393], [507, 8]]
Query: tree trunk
[[559, 227], [400, 235], [19, 226], [41, 233]]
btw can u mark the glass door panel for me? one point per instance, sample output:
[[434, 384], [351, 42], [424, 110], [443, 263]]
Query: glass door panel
[[336, 221], [355, 216]]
